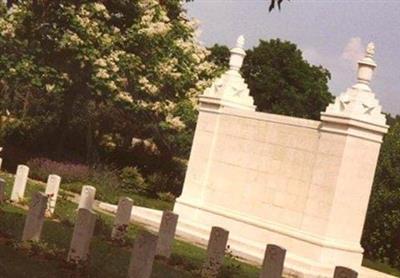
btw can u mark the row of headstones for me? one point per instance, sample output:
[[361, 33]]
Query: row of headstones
[[146, 245], [20, 181]]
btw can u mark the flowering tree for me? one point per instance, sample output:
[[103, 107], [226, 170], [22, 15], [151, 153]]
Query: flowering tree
[[101, 72]]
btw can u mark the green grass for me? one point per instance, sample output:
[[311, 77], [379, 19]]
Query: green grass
[[107, 259], [381, 267], [104, 192], [108, 194]]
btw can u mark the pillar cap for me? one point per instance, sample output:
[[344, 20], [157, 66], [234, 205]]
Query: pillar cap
[[230, 90], [359, 102]]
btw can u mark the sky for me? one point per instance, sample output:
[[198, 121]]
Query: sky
[[331, 33]]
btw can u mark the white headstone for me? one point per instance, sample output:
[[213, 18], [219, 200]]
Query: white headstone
[[21, 178], [215, 252], [344, 272], [86, 200], [274, 260], [53, 185], [166, 233], [83, 233], [144, 251], [35, 218], [122, 218], [1, 162]]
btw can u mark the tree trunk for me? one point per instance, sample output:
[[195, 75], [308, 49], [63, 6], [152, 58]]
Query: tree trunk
[[65, 118]]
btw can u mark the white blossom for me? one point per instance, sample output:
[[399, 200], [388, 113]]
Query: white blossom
[[175, 122], [125, 96], [103, 74]]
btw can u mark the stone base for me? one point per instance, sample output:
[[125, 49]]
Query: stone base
[[198, 234], [307, 255]]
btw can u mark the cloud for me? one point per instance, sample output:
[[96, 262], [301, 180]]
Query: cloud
[[353, 51]]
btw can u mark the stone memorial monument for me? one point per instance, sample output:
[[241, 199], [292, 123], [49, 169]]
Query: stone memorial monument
[[297, 183]]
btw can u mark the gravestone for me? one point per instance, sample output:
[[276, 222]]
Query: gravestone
[[122, 218], [20, 181], [344, 272], [53, 185], [82, 235], [35, 217], [86, 200], [273, 262], [1, 162], [215, 252], [166, 233], [2, 191], [144, 251]]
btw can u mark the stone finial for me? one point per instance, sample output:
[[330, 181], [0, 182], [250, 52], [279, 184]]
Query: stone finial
[[240, 41], [237, 54], [230, 90], [366, 67], [359, 102], [370, 52]]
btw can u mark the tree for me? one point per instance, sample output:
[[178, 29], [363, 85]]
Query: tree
[[381, 236], [88, 76], [219, 55], [280, 80]]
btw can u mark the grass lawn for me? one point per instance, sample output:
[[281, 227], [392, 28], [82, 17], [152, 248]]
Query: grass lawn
[[47, 258], [111, 195], [381, 267]]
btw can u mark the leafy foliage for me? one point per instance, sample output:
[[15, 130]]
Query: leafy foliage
[[280, 80], [381, 237], [88, 76], [132, 180]]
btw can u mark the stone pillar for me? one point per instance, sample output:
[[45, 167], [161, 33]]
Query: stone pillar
[[215, 252], [351, 135], [87, 197], [228, 91], [274, 260], [35, 217], [166, 233], [122, 218], [82, 235], [344, 272], [21, 178], [53, 185], [2, 191], [144, 251]]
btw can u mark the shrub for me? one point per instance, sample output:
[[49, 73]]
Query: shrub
[[132, 180], [40, 168], [166, 196]]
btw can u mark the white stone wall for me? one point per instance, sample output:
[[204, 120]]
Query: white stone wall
[[263, 165], [297, 183]]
